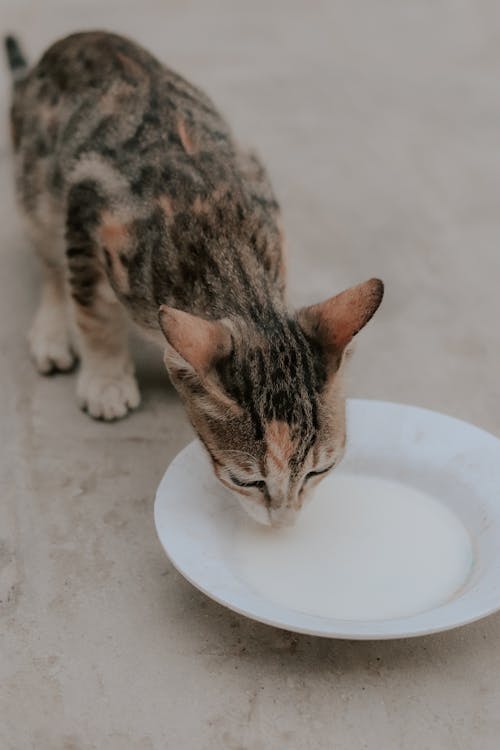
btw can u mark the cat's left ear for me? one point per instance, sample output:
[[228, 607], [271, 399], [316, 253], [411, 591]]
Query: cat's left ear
[[334, 322], [194, 345]]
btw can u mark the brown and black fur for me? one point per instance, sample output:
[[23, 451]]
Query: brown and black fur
[[137, 196], [195, 203]]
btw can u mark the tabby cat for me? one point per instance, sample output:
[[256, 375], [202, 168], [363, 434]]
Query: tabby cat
[[142, 206]]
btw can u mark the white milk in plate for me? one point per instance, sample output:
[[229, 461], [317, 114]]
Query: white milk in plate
[[364, 548]]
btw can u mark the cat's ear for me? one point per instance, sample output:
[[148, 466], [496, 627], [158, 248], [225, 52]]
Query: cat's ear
[[193, 343], [334, 322]]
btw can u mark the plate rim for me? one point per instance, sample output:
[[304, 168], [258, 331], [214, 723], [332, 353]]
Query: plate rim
[[318, 631]]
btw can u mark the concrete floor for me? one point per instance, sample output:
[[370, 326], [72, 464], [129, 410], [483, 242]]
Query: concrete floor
[[380, 122]]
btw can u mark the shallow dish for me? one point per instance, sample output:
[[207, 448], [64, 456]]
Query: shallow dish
[[457, 463]]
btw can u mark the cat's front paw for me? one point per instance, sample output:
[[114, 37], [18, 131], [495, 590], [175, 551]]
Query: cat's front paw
[[50, 344], [107, 397]]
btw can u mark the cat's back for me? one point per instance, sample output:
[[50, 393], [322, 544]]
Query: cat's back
[[149, 150], [87, 63], [101, 94], [90, 59]]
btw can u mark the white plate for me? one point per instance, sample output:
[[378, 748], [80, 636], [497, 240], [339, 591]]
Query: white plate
[[454, 461]]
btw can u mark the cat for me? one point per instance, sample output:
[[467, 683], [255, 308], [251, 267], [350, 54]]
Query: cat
[[142, 206]]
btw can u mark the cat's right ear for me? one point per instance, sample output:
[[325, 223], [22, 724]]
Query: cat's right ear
[[193, 345]]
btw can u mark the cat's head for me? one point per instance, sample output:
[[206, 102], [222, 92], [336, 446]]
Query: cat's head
[[267, 400]]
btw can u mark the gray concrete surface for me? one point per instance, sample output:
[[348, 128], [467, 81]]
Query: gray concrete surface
[[380, 122]]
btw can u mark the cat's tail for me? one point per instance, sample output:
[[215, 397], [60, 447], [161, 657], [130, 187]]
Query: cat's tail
[[15, 58]]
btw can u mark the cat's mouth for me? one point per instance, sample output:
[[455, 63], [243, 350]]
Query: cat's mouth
[[256, 509], [283, 518], [277, 518]]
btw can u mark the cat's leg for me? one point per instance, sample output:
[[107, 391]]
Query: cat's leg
[[106, 385], [50, 336]]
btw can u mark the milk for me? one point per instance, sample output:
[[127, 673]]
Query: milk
[[364, 548]]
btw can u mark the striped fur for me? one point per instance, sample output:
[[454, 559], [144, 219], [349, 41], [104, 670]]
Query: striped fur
[[137, 197]]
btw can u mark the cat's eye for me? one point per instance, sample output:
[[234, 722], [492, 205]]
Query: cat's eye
[[318, 473], [259, 483]]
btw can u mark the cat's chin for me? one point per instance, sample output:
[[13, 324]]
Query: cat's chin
[[255, 510], [283, 518], [264, 517]]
